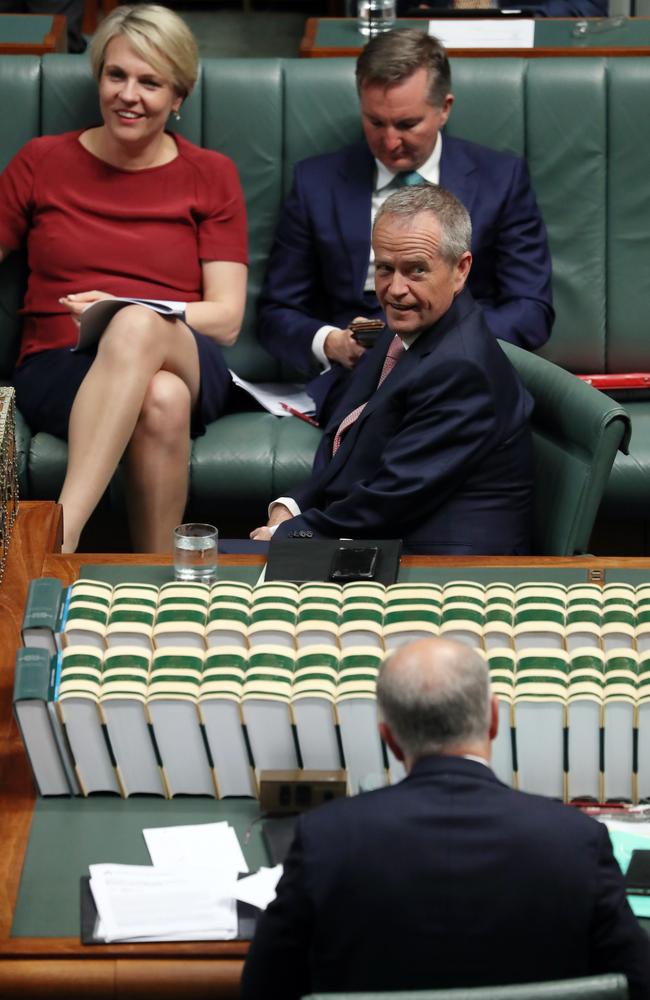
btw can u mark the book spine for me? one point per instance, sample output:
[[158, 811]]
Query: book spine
[[32, 676], [64, 748], [60, 735], [249, 752], [42, 610], [111, 753], [34, 681], [157, 754], [64, 610], [208, 753], [57, 717]]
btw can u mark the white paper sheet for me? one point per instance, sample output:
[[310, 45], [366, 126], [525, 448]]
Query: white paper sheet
[[259, 889], [97, 315], [210, 847], [134, 901], [484, 33], [271, 395]]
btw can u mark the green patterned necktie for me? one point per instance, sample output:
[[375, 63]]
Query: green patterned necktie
[[409, 179]]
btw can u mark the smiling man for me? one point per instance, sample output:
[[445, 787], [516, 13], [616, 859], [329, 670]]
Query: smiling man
[[431, 441], [321, 270]]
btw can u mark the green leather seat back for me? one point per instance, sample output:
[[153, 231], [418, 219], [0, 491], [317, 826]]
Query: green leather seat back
[[323, 109], [576, 434], [606, 987], [536, 108], [567, 146], [20, 105], [490, 105], [19, 122], [628, 217], [243, 117]]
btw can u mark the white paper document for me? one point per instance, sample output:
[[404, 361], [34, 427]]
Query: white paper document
[[96, 317], [188, 894], [259, 889], [484, 33], [271, 395], [209, 847], [135, 901]]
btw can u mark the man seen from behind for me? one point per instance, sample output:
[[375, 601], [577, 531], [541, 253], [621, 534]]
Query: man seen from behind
[[449, 878]]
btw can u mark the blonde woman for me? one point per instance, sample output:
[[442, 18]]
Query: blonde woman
[[128, 209]]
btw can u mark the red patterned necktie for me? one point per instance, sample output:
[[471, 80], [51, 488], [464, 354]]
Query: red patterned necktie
[[393, 354]]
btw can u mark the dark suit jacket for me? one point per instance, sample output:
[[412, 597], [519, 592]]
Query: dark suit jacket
[[441, 455], [447, 879], [319, 262]]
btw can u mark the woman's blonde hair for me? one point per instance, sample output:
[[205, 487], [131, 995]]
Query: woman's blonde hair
[[158, 35]]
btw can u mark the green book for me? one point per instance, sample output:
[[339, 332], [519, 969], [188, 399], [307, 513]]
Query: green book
[[42, 614], [42, 736]]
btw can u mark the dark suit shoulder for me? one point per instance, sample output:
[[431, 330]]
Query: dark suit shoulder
[[338, 822], [462, 335], [356, 154]]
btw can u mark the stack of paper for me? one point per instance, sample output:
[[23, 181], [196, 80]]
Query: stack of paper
[[190, 893]]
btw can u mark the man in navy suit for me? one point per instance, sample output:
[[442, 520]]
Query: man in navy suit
[[449, 878], [320, 273], [431, 441]]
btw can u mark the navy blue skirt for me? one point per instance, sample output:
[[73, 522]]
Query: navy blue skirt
[[47, 383]]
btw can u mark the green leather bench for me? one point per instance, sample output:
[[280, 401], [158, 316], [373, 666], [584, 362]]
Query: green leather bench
[[581, 122]]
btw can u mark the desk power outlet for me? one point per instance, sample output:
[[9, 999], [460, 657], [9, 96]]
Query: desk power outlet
[[297, 791]]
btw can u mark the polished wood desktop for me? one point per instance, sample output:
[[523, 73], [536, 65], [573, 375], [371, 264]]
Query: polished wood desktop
[[326, 37], [32, 34], [60, 967]]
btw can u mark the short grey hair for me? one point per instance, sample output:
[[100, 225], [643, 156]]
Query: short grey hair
[[394, 56], [435, 694], [453, 217]]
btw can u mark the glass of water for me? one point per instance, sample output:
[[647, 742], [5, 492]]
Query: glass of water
[[195, 552], [375, 16]]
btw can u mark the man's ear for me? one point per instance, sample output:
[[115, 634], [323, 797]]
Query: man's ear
[[461, 271], [445, 108], [387, 736], [494, 717]]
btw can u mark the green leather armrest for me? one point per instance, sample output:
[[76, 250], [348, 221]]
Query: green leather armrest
[[607, 987], [576, 434]]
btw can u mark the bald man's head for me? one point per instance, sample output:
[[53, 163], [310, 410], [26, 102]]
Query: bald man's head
[[434, 696]]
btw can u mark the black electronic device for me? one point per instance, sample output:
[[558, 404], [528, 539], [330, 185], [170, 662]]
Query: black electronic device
[[350, 564], [366, 331]]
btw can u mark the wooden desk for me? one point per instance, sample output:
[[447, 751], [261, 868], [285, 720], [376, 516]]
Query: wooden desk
[[62, 967], [329, 36], [32, 34]]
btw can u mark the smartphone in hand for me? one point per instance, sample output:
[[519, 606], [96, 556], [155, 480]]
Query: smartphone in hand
[[366, 331]]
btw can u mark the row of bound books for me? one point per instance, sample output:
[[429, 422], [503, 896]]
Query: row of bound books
[[496, 616], [180, 720], [188, 721]]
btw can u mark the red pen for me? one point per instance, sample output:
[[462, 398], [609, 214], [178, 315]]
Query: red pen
[[301, 416]]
